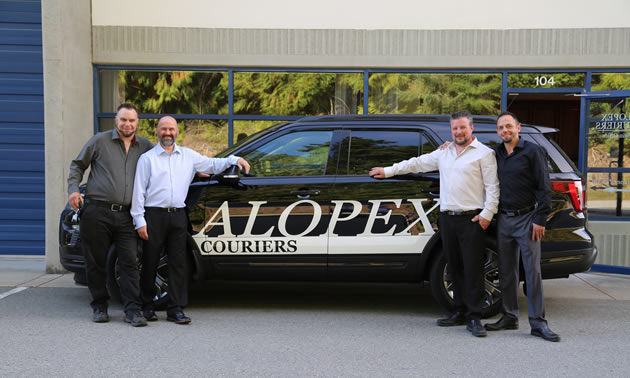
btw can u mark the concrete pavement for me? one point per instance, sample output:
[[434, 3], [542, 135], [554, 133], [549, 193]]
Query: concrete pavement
[[303, 329]]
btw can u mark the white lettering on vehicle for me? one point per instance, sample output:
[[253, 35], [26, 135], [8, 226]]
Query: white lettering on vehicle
[[250, 243]]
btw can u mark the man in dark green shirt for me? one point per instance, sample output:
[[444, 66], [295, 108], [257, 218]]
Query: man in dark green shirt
[[112, 157]]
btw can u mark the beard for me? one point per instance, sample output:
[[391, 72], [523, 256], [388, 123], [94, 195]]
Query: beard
[[126, 134], [165, 141], [461, 142]]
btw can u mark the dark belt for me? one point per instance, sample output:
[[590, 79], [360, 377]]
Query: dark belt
[[514, 213], [110, 206], [165, 209], [468, 212]]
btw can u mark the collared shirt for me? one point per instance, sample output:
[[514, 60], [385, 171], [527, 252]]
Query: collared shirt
[[112, 168], [162, 180], [468, 181], [524, 178]]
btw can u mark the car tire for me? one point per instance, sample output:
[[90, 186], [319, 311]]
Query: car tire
[[441, 282], [160, 300]]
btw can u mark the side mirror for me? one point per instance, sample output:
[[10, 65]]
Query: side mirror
[[229, 176]]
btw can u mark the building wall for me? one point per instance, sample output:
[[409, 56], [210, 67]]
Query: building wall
[[69, 110], [281, 33]]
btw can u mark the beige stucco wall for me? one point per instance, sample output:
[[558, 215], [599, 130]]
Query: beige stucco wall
[[363, 14], [68, 104]]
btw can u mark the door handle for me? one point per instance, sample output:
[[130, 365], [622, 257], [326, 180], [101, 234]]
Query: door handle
[[305, 193]]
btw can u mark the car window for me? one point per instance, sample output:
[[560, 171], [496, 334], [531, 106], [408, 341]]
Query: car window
[[379, 149], [492, 139], [302, 153]]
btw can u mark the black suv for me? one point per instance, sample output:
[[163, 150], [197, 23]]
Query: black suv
[[309, 211]]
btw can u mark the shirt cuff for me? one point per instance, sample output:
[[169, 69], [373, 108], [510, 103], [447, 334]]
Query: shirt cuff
[[139, 222], [486, 214], [389, 171], [232, 159], [540, 219]]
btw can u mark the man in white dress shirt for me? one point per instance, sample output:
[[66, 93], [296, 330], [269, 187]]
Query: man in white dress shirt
[[469, 198], [163, 176]]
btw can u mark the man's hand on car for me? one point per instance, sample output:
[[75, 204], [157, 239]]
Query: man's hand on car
[[243, 164], [377, 172]]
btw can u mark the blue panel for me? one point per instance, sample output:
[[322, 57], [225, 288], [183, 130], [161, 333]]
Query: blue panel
[[20, 87], [20, 6], [20, 17], [22, 76], [21, 67], [20, 56], [21, 37], [21, 106], [23, 117], [22, 183]]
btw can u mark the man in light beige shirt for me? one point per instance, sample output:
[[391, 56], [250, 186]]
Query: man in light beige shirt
[[469, 198]]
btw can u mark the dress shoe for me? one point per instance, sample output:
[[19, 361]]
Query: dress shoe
[[150, 315], [506, 322], [100, 316], [178, 318], [475, 327], [547, 334], [457, 318], [135, 318]]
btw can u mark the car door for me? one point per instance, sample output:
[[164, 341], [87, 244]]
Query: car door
[[272, 223], [379, 228]]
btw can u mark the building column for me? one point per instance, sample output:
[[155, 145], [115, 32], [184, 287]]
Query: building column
[[68, 104]]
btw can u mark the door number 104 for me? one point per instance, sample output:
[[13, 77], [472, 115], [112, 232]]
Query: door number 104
[[544, 80]]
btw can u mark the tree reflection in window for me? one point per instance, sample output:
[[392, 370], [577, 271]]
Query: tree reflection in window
[[295, 154]]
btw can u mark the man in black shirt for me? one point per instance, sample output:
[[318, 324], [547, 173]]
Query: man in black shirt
[[524, 203]]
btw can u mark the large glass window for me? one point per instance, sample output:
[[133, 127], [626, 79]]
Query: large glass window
[[165, 92], [434, 93], [295, 154], [310, 93], [610, 81]]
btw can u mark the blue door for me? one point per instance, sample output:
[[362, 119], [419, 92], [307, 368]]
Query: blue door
[[22, 206]]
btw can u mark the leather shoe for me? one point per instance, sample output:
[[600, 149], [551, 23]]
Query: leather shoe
[[135, 318], [100, 316], [150, 315], [457, 318], [475, 327], [178, 318], [506, 322], [547, 334]]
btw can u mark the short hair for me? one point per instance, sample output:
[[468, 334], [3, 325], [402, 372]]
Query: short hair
[[462, 114], [127, 106], [506, 113]]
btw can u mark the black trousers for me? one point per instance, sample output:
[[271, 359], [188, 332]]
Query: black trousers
[[464, 245], [100, 227], [167, 231]]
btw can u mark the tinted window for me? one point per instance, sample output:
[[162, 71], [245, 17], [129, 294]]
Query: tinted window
[[295, 154], [379, 149]]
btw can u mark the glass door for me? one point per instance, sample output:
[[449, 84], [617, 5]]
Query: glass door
[[608, 154]]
